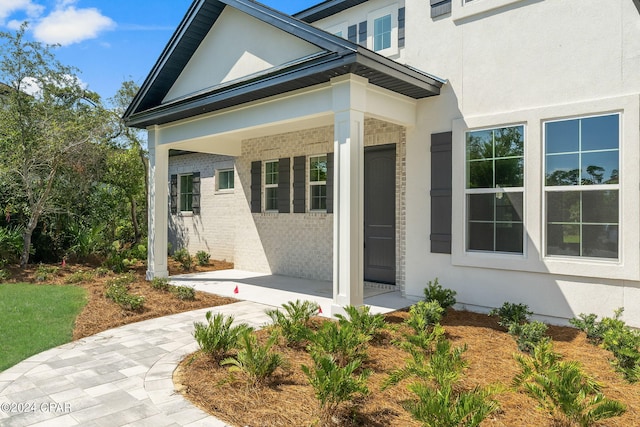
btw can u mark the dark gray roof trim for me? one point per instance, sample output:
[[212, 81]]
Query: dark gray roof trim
[[339, 57], [326, 8]]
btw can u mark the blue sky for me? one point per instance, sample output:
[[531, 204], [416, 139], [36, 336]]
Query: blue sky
[[109, 41]]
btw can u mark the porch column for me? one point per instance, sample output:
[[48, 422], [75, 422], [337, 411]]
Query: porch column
[[349, 98], [158, 210]]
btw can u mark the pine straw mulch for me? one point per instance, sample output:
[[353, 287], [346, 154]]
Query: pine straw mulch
[[289, 400], [101, 313]]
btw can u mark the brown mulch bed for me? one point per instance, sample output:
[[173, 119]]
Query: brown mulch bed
[[101, 313], [289, 400]]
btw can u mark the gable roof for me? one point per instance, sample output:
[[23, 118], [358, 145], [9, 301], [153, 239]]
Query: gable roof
[[337, 57], [326, 8]]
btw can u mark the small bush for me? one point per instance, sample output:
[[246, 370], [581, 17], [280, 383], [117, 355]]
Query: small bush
[[344, 343], [4, 275], [184, 293], [511, 313], [203, 258], [445, 297], [334, 384], [101, 272], [116, 262], [45, 272], [528, 335], [160, 284], [79, 277], [255, 360], [424, 315], [293, 323], [362, 320], [118, 291], [218, 336], [589, 325], [563, 388], [182, 256]]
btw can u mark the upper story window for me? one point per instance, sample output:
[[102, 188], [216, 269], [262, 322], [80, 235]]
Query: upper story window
[[495, 189], [318, 182], [382, 33], [225, 179], [582, 186], [271, 185]]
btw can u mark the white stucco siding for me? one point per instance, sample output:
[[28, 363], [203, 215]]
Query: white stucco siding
[[526, 63], [237, 46]]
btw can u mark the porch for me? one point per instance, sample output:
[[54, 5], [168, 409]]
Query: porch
[[275, 290]]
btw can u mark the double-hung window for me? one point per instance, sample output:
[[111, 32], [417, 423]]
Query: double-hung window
[[382, 33], [495, 189], [186, 193], [318, 182], [225, 180], [582, 186], [271, 185]]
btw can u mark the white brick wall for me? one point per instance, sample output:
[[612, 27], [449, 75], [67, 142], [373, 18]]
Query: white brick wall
[[294, 244]]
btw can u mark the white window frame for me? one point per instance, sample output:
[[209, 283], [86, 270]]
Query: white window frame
[[379, 13], [180, 194], [581, 188], [315, 183], [269, 186], [224, 171]]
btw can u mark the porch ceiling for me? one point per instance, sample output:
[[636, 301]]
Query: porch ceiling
[[339, 57]]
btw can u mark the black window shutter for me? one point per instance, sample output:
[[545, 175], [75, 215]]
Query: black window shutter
[[441, 169], [299, 184], [401, 27], [256, 187], [173, 193], [440, 7], [284, 185], [195, 200], [352, 33], [329, 182], [362, 33]]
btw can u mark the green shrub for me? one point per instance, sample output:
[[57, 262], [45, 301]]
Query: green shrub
[[445, 297], [182, 256], [362, 320], [528, 335], [344, 343], [79, 277], [101, 272], [11, 243], [562, 387], [511, 313], [218, 336], [203, 258], [116, 262], [589, 325], [4, 275], [255, 360], [334, 384], [45, 272], [424, 315], [184, 293], [293, 323], [117, 290], [160, 284]]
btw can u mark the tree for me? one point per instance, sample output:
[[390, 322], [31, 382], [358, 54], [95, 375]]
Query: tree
[[50, 126]]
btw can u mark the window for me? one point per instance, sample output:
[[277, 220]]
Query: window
[[271, 185], [318, 182], [382, 33], [225, 179], [186, 193], [494, 189], [582, 186]]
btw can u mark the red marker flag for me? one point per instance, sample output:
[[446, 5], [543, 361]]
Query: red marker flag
[[319, 310], [236, 290]]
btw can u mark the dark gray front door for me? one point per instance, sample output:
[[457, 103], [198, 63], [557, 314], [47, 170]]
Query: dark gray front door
[[380, 213]]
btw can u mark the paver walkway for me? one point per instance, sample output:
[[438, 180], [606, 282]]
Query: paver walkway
[[119, 377]]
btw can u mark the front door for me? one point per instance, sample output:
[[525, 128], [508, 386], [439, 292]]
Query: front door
[[380, 213]]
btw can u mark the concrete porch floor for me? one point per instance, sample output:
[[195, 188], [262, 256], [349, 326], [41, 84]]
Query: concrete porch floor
[[274, 290]]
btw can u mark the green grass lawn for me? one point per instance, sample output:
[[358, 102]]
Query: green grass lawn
[[34, 318]]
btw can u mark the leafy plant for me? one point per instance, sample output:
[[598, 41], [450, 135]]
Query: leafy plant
[[589, 325], [435, 292], [511, 313], [203, 258], [183, 257], [562, 387], [79, 277], [343, 342], [255, 360], [362, 320], [118, 291], [185, 293], [423, 315], [160, 284], [293, 323], [218, 336], [44, 272], [334, 384], [528, 335], [11, 243], [4, 275]]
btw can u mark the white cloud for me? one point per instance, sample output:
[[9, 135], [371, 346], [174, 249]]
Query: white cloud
[[9, 7], [68, 25]]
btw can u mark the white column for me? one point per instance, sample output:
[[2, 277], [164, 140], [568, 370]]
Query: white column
[[158, 206], [349, 101]]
